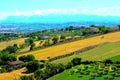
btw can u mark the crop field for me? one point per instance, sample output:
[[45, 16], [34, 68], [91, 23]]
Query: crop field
[[102, 52], [4, 44], [72, 46], [12, 75]]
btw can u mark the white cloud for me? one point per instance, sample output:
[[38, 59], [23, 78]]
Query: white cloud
[[113, 11]]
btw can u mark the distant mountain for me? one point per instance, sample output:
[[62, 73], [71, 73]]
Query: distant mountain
[[35, 23], [61, 19]]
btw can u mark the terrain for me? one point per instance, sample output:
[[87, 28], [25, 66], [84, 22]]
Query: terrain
[[5, 44], [72, 46]]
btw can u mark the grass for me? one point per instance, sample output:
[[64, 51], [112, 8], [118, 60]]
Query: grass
[[5, 44], [115, 58], [67, 75], [72, 46], [102, 52]]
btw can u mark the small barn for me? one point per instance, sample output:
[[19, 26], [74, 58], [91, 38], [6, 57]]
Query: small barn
[[15, 63]]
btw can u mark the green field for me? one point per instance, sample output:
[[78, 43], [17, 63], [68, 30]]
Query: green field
[[115, 58], [102, 52], [81, 73]]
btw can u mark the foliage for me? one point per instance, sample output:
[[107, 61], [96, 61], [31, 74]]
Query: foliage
[[76, 61], [27, 58], [32, 66]]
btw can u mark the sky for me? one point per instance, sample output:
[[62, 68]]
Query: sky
[[59, 7]]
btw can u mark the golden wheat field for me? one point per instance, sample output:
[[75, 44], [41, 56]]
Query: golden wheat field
[[4, 44], [13, 75], [72, 46]]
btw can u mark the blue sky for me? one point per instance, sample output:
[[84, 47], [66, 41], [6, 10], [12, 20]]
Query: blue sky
[[59, 7]]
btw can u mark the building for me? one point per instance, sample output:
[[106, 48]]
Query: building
[[15, 63]]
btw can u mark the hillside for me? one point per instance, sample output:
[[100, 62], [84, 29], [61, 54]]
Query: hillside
[[72, 46], [5, 44], [105, 50], [102, 52]]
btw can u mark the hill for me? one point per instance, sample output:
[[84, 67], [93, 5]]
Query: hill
[[11, 42], [102, 52], [72, 46]]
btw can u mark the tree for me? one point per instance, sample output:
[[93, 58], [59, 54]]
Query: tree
[[108, 61], [32, 46], [61, 68], [12, 49], [32, 66], [69, 65], [93, 25], [119, 27], [15, 45], [76, 61], [6, 57], [55, 39], [40, 74], [27, 58], [26, 78]]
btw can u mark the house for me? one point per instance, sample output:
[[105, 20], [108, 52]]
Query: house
[[94, 29], [15, 63], [114, 28]]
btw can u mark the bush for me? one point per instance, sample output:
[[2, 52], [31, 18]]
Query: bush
[[26, 78], [27, 58], [76, 61], [69, 65], [32, 66], [2, 70]]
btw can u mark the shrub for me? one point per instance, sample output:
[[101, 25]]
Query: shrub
[[69, 65], [26, 78], [32, 66], [27, 58], [76, 61]]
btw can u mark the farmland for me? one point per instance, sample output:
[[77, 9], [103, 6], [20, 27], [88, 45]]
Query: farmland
[[89, 72], [108, 47], [5, 44], [102, 52], [12, 75], [72, 46]]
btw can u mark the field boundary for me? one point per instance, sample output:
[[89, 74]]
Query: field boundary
[[72, 53]]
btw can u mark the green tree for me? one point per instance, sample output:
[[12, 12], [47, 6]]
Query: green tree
[[27, 58], [26, 78], [32, 46], [32, 66], [12, 49], [76, 61]]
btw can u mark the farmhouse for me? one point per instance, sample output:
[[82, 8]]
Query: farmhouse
[[15, 63], [94, 29], [114, 28]]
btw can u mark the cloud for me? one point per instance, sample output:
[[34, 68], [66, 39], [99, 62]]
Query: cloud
[[104, 11]]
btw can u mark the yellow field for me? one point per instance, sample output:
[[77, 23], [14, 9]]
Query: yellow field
[[39, 43], [72, 46], [4, 44], [12, 75]]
